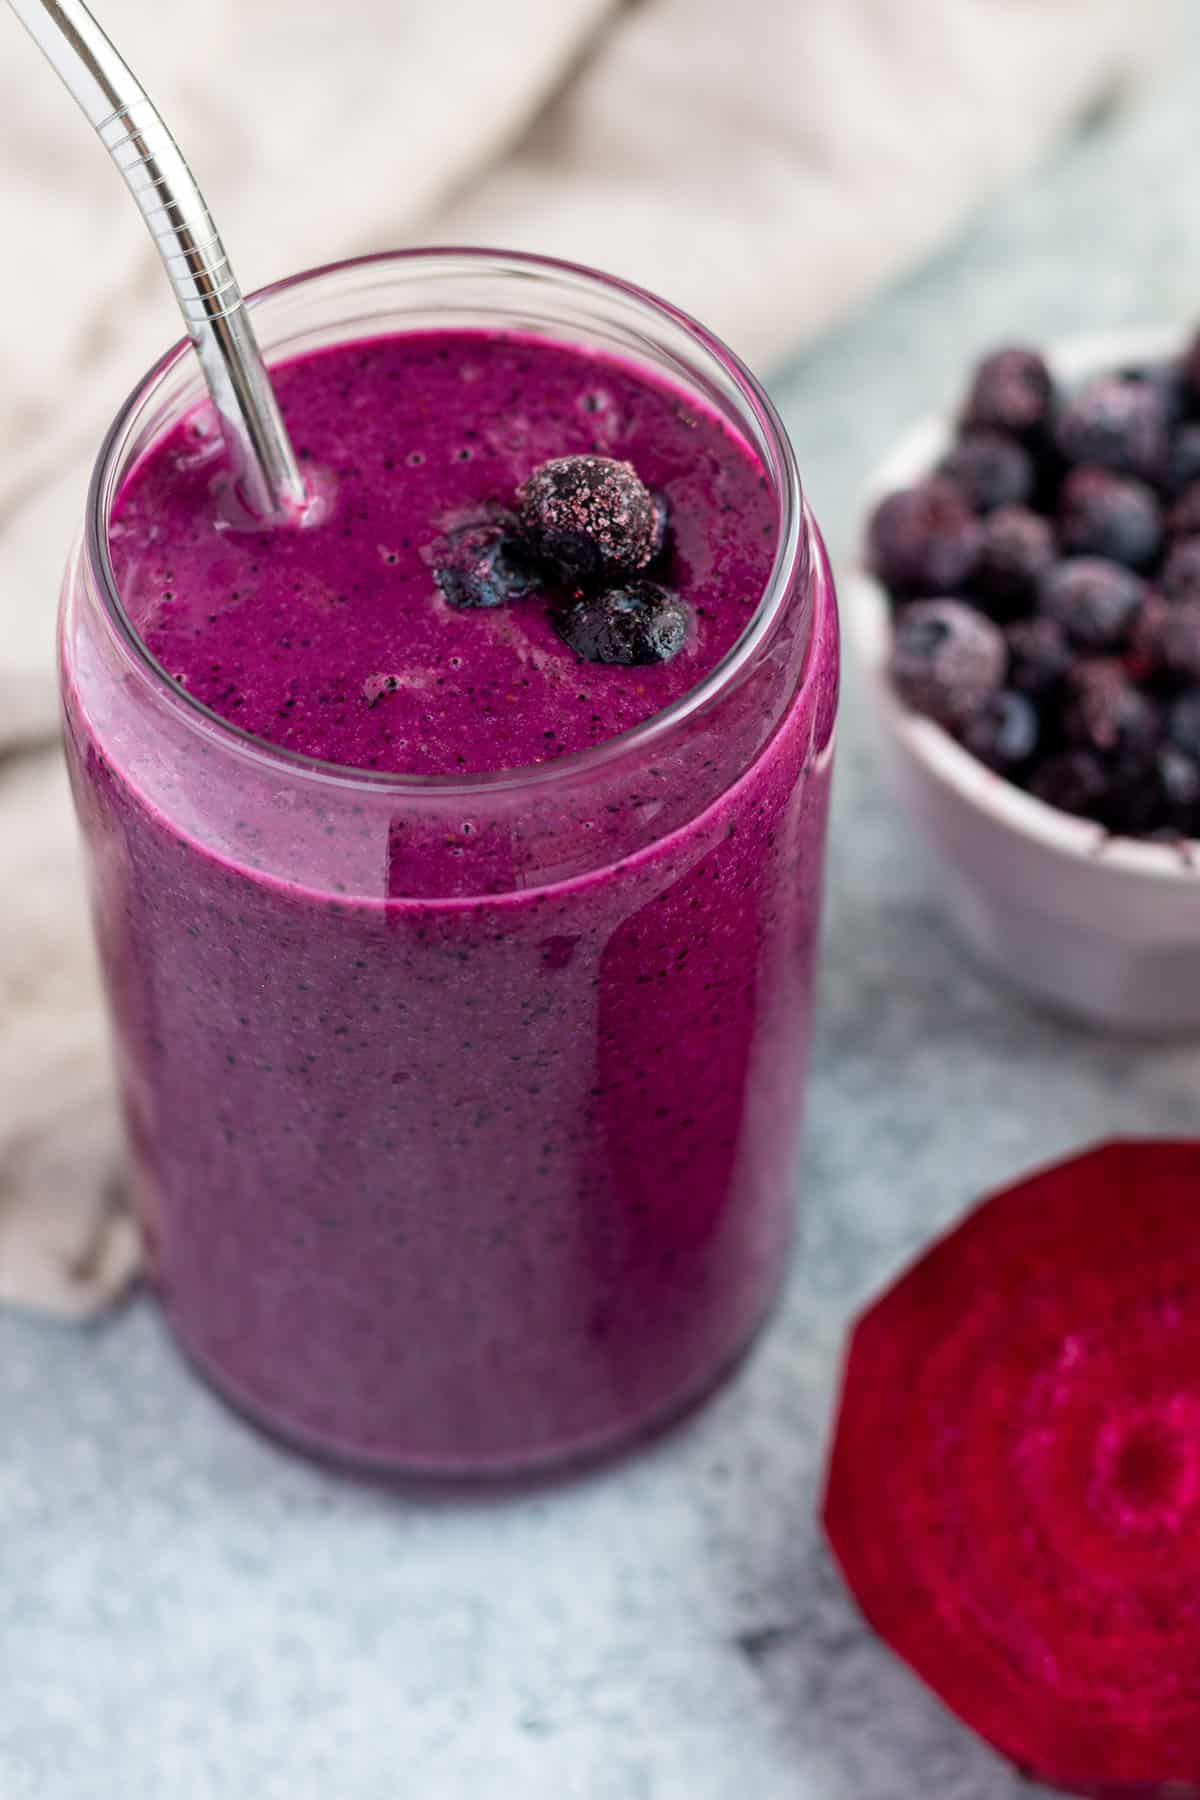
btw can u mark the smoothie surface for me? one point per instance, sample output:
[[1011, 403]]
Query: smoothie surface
[[334, 640]]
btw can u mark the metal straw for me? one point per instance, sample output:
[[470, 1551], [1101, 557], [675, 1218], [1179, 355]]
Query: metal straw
[[172, 205]]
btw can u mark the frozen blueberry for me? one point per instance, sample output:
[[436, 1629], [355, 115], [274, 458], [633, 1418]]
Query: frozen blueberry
[[1183, 519], [1011, 390], [1183, 458], [1117, 424], [947, 660], [1038, 657], [1016, 547], [1183, 723], [1158, 793], [1167, 381], [1102, 514], [1179, 783], [1180, 578], [483, 565], [1180, 642], [1075, 781], [991, 468], [642, 622], [924, 539], [1094, 601], [1134, 804], [1190, 370], [1004, 732], [1144, 655], [1104, 712], [589, 516]]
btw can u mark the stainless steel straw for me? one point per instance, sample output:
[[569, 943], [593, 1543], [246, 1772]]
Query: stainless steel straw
[[172, 205]]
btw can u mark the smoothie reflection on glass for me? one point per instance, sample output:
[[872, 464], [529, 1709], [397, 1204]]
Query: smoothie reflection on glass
[[460, 976]]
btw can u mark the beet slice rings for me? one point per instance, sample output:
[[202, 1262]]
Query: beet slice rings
[[1014, 1487]]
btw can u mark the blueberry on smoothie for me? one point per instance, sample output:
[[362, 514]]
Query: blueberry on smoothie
[[642, 622], [483, 565], [590, 517]]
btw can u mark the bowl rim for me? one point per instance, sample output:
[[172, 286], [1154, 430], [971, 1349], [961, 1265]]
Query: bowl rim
[[867, 615]]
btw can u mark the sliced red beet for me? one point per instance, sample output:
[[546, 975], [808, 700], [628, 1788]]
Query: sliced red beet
[[1014, 1488]]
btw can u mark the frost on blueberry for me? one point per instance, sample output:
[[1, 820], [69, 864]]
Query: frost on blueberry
[[924, 539], [1011, 390], [1114, 516], [947, 660], [991, 468], [590, 516]]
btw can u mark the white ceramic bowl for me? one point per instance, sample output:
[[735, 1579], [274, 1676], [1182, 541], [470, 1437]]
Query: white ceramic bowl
[[1106, 929]]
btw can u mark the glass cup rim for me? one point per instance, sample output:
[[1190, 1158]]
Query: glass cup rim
[[790, 552]]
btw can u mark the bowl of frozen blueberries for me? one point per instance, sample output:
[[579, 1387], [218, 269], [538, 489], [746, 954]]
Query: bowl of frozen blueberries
[[1027, 610]]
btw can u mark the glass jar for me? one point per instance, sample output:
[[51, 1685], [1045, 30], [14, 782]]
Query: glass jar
[[461, 1112]]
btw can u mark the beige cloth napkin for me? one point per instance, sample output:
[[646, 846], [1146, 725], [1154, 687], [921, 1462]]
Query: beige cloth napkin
[[764, 164]]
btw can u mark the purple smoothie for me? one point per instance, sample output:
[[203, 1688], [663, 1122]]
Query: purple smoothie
[[462, 1121], [334, 640]]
